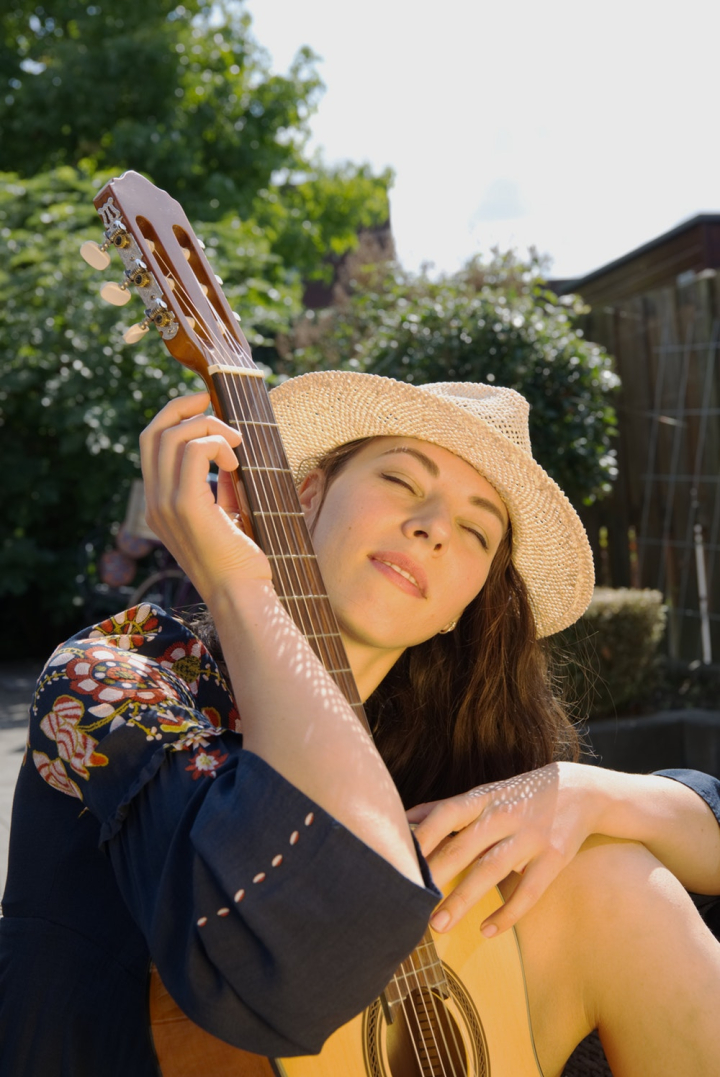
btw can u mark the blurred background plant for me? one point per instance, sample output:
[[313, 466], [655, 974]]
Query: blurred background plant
[[185, 94]]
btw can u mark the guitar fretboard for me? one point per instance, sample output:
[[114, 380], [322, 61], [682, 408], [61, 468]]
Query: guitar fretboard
[[279, 522]]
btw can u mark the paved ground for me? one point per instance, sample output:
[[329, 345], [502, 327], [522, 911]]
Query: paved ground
[[17, 682]]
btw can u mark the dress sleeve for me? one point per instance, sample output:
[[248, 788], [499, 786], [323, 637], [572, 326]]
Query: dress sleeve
[[708, 788], [270, 923], [704, 785]]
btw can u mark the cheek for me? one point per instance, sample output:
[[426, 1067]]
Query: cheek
[[473, 580]]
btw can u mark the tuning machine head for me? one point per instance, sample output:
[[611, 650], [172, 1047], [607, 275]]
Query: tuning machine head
[[160, 317], [117, 294], [95, 255]]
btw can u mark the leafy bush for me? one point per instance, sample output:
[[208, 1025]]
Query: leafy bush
[[496, 323], [609, 658], [73, 396]]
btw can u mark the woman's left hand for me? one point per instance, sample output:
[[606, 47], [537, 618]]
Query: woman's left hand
[[532, 824]]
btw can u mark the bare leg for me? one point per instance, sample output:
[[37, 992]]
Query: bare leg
[[616, 944]]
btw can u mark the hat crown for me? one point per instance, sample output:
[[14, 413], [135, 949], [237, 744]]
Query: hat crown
[[503, 409]]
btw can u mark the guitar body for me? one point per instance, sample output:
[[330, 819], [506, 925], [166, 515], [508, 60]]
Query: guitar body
[[481, 1030]]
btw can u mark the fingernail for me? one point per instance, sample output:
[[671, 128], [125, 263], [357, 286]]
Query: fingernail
[[440, 920], [488, 930]]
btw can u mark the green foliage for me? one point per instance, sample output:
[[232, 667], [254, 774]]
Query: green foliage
[[73, 395], [495, 323], [613, 649], [184, 94]]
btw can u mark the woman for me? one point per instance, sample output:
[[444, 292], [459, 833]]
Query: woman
[[442, 545]]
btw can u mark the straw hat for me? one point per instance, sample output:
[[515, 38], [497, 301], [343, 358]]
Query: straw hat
[[483, 424]]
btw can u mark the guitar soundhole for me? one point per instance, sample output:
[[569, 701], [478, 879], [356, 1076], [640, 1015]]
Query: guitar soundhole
[[430, 1036]]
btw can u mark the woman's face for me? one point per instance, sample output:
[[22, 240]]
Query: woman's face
[[405, 539]]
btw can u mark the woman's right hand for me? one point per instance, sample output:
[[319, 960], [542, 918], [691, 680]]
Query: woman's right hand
[[202, 534]]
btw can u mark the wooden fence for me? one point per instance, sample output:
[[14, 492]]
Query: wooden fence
[[661, 526]]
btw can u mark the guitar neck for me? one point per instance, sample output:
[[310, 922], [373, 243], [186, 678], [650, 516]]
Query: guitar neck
[[278, 520]]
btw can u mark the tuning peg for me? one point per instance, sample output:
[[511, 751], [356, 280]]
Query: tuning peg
[[136, 332], [95, 255], [117, 294]]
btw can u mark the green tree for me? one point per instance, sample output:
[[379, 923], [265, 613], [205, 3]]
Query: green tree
[[73, 395], [495, 322], [184, 94]]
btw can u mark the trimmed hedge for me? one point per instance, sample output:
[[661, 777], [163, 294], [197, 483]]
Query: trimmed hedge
[[608, 661]]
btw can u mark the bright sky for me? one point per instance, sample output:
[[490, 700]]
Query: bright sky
[[584, 128]]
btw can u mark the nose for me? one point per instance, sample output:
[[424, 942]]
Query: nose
[[431, 524]]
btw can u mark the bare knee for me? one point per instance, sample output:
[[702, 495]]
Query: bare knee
[[630, 920], [613, 921]]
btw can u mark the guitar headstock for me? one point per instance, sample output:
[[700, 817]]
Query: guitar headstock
[[165, 262]]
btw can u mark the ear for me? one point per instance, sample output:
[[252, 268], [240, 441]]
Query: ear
[[310, 494]]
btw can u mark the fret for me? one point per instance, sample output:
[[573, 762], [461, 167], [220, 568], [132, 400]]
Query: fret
[[290, 556], [248, 372], [263, 512], [302, 598], [326, 635], [257, 467], [250, 422]]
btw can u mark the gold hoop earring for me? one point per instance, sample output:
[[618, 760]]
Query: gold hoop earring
[[448, 628]]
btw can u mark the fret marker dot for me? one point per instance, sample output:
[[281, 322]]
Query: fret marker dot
[[223, 912], [240, 895], [277, 861], [294, 837], [202, 921], [309, 819], [259, 877]]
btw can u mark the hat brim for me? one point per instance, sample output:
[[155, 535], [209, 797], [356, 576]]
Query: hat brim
[[317, 412]]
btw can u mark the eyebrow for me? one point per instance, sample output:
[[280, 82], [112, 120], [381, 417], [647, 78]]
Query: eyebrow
[[432, 468]]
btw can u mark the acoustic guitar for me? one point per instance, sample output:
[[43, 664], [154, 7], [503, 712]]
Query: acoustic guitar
[[458, 1005]]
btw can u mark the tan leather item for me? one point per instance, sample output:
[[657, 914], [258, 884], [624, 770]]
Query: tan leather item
[[185, 1050]]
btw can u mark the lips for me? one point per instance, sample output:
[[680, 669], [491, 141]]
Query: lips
[[402, 570]]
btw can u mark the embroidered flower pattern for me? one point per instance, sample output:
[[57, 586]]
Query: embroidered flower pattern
[[196, 738], [129, 629], [183, 659], [110, 676], [205, 764], [74, 746], [54, 773], [170, 692]]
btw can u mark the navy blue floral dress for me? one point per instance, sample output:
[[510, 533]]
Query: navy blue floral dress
[[143, 831]]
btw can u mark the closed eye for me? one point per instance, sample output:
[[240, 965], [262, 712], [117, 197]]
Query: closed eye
[[400, 482], [481, 538]]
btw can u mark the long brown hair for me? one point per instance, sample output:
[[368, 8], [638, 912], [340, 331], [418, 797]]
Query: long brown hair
[[471, 706], [474, 705]]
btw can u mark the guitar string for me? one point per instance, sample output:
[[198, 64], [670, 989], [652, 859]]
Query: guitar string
[[432, 1025], [332, 656], [437, 1006], [230, 343], [277, 524], [219, 342], [224, 344], [299, 583], [406, 1002]]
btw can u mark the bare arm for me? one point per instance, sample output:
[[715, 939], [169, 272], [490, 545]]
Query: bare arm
[[294, 716], [535, 823], [675, 824]]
